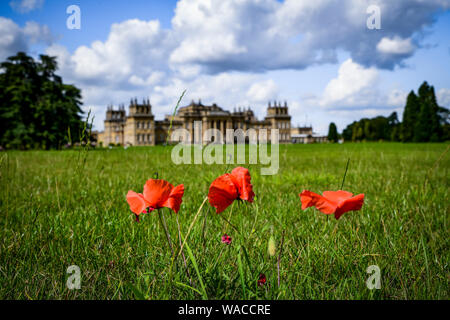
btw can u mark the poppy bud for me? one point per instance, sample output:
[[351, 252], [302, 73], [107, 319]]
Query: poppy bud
[[271, 246]]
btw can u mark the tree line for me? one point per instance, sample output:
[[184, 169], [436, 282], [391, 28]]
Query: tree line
[[423, 121], [37, 110]]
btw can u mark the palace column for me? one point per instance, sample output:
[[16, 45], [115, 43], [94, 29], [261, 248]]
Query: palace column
[[204, 128], [222, 127], [229, 125], [191, 130]]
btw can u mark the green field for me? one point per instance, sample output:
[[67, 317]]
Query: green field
[[62, 208]]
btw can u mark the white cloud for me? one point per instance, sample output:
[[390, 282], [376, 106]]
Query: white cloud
[[263, 91], [396, 98], [443, 97], [25, 6], [133, 47], [151, 80], [259, 35], [353, 86], [212, 37], [14, 38], [356, 88], [395, 45], [37, 33]]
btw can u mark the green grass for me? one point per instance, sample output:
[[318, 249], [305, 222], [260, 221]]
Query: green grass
[[60, 208]]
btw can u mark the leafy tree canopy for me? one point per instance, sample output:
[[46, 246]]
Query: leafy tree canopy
[[37, 110], [423, 121], [332, 133]]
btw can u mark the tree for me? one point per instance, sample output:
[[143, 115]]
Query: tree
[[428, 127], [36, 108], [375, 129], [332, 133], [393, 127], [423, 120], [410, 114], [347, 133]]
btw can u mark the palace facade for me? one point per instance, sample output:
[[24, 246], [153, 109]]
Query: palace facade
[[139, 127]]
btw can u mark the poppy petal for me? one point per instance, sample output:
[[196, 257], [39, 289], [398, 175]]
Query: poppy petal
[[156, 192], [175, 198], [222, 192], [136, 202], [337, 196], [310, 199], [245, 188], [354, 203]]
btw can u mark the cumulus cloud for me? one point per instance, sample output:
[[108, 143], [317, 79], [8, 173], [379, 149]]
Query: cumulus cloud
[[152, 79], [14, 38], [357, 88], [260, 35], [263, 91], [133, 47], [395, 45], [209, 36], [353, 86], [25, 6], [443, 97]]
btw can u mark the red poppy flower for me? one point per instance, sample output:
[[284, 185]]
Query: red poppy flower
[[262, 279], [337, 202], [226, 239], [157, 194], [229, 187]]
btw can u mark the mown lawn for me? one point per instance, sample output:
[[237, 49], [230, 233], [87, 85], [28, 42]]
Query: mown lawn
[[62, 208]]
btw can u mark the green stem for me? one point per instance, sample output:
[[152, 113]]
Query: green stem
[[185, 238], [182, 253], [279, 257], [162, 221], [345, 173], [229, 223], [204, 229]]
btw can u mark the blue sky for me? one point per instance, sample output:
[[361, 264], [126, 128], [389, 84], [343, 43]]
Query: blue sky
[[318, 56]]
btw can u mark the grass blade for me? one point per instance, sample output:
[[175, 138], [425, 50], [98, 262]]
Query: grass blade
[[188, 286], [194, 263], [241, 274]]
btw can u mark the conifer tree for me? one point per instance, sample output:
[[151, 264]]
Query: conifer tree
[[410, 115], [428, 127], [332, 133]]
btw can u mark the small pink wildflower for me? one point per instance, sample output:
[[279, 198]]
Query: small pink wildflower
[[226, 239]]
